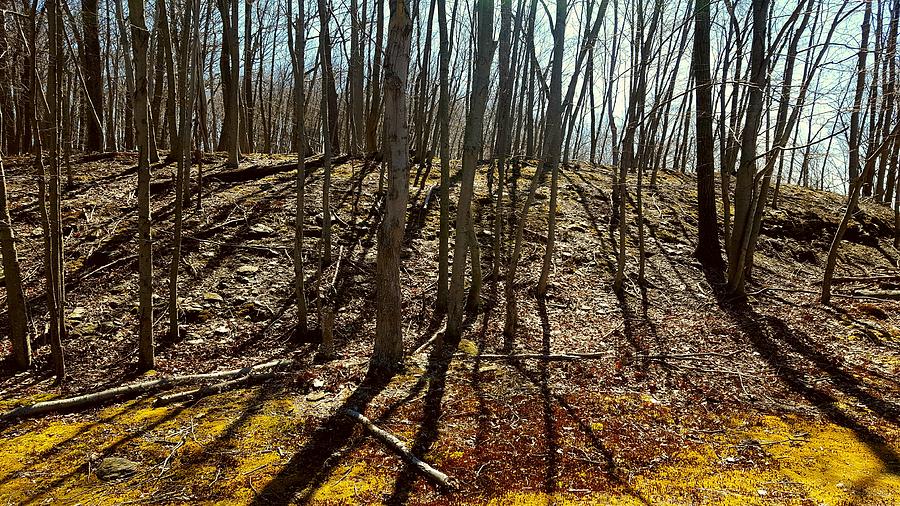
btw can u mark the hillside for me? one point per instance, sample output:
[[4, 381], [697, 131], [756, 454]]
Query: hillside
[[687, 398]]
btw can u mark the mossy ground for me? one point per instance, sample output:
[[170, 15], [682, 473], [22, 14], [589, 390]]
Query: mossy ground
[[784, 402], [232, 447]]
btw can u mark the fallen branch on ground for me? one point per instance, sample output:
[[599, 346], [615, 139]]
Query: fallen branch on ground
[[261, 171], [865, 279], [95, 398], [540, 356], [398, 447], [217, 388], [588, 356]]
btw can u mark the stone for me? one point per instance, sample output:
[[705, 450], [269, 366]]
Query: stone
[[115, 468], [212, 297], [260, 229], [77, 313], [86, 329], [247, 269], [315, 396]]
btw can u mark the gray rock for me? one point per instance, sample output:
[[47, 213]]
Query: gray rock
[[116, 468]]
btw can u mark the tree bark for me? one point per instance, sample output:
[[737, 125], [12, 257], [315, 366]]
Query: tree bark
[[388, 353], [297, 47], [444, 120], [744, 184], [12, 275], [139, 40], [474, 140], [189, 69], [708, 249], [92, 107]]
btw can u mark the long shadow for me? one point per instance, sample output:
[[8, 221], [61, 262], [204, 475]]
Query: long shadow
[[311, 466], [418, 214], [541, 380], [780, 346], [106, 451], [550, 434], [427, 435]]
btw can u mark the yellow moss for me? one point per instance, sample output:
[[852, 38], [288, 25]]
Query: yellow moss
[[794, 462], [229, 439], [559, 499], [827, 465], [833, 464], [349, 484], [8, 404]]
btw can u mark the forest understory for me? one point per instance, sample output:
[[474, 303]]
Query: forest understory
[[684, 397]]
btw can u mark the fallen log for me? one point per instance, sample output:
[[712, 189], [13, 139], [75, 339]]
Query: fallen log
[[91, 399], [587, 356], [878, 294], [261, 171], [217, 388], [865, 279], [539, 356], [109, 155], [399, 448]]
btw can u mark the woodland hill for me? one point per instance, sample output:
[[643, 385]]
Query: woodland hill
[[575, 255], [671, 392]]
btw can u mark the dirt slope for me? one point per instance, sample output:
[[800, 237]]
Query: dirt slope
[[695, 400]]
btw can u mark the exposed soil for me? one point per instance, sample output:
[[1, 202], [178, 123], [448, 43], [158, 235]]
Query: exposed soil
[[699, 400]]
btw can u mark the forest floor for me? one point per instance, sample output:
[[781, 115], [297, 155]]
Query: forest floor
[[695, 399]]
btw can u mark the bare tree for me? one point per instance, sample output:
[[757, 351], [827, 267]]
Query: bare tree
[[708, 249], [12, 275], [743, 193], [297, 47], [139, 43], [92, 106], [229, 139], [388, 354], [189, 59], [444, 120]]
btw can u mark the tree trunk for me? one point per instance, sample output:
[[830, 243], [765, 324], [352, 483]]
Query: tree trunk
[[744, 184], [355, 79], [12, 275], [329, 84], [139, 38], [125, 43], [553, 138], [56, 270], [229, 140], [247, 113], [165, 39], [297, 46], [474, 140], [92, 106], [444, 119], [375, 82], [189, 66], [708, 249], [388, 353]]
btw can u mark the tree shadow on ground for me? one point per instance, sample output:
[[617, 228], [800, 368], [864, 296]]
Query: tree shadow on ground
[[541, 379], [429, 429], [796, 359], [311, 466]]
